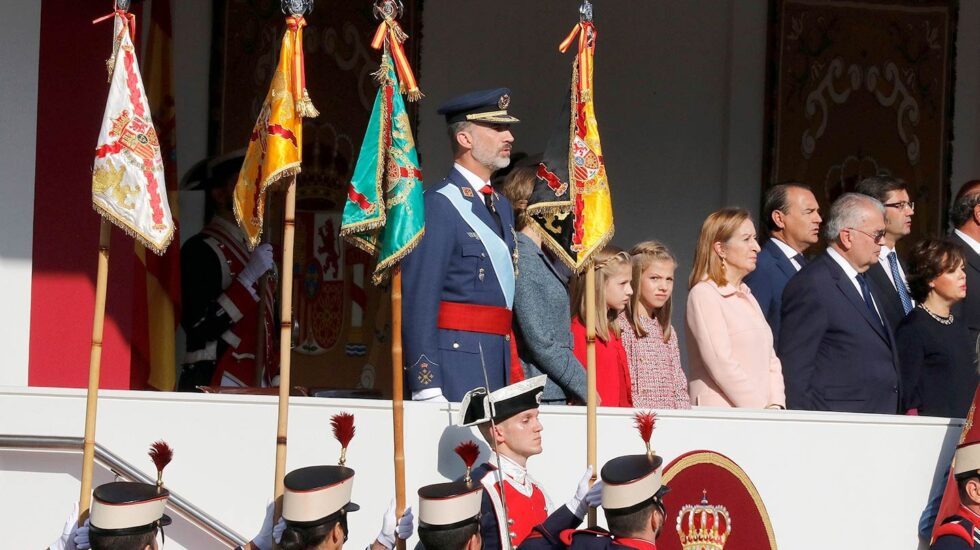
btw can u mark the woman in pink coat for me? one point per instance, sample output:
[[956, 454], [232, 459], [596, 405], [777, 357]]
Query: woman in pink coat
[[731, 361]]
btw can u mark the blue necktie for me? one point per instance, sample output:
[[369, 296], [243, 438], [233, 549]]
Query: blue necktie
[[800, 260], [903, 292], [863, 283]]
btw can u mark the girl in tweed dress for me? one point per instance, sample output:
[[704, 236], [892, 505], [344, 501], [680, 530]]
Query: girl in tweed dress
[[648, 337]]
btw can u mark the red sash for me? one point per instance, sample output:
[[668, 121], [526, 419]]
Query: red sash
[[485, 320]]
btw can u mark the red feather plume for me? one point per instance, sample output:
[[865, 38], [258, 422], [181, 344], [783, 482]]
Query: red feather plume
[[161, 454], [645, 423], [343, 428], [469, 452]]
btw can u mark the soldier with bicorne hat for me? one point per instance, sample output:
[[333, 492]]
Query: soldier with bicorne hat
[[459, 280], [513, 502], [220, 289]]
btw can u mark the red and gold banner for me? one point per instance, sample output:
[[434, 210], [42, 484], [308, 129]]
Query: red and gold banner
[[275, 146]]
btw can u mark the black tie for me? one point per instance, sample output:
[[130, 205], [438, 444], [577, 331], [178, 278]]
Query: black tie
[[866, 292], [800, 260]]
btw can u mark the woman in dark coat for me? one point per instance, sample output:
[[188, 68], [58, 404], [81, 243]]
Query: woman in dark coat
[[541, 307], [935, 349]]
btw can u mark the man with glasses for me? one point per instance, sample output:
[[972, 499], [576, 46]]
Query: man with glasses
[[837, 351], [888, 282]]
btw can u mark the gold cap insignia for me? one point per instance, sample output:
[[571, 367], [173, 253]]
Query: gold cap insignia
[[504, 101]]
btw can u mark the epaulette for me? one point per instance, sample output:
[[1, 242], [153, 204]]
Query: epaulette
[[960, 527]]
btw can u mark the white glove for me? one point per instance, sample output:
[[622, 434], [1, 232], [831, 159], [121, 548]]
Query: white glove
[[430, 395], [278, 529], [263, 541], [389, 528], [258, 263], [81, 537], [594, 497], [579, 504], [66, 540]]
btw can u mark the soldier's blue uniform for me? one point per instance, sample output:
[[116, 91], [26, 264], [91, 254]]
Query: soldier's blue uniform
[[464, 260], [957, 532]]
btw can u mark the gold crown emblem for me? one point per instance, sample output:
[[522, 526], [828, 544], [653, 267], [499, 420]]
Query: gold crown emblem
[[703, 527], [503, 102]]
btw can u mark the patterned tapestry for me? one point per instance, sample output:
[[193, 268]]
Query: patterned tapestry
[[342, 322], [858, 88]]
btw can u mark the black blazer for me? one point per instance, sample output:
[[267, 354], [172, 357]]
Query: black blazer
[[772, 270], [836, 356], [969, 309], [886, 296]]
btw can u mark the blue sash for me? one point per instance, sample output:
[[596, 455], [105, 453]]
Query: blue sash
[[496, 247]]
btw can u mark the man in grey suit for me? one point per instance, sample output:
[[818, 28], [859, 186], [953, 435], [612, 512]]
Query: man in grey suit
[[792, 216], [965, 217], [888, 281]]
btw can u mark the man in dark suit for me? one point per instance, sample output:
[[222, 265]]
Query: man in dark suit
[[459, 281], [889, 285], [965, 217], [837, 351], [792, 216]]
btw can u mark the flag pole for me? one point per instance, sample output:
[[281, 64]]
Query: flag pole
[[397, 393], [94, 365], [285, 338], [590, 413]]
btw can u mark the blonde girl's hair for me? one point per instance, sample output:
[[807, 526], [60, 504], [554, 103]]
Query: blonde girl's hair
[[606, 263], [642, 255], [517, 188], [720, 226]]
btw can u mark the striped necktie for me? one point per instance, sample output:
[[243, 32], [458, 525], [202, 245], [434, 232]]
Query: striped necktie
[[903, 291]]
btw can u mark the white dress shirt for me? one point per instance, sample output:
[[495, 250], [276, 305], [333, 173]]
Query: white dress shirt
[[968, 240], [471, 178], [883, 260], [789, 251], [852, 275]]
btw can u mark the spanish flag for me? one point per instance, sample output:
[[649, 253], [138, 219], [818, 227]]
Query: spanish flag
[[156, 300], [570, 202], [276, 144], [384, 210]]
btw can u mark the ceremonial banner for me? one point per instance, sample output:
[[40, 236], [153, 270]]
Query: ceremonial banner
[[384, 212], [570, 202], [128, 186], [275, 146]]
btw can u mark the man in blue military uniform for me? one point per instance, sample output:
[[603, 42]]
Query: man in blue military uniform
[[459, 281], [962, 530]]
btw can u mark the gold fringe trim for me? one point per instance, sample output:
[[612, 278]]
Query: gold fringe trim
[[414, 94], [286, 171], [304, 106], [158, 249], [585, 96], [365, 226], [383, 270]]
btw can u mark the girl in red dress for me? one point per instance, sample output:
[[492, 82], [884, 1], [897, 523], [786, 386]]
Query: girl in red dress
[[613, 275]]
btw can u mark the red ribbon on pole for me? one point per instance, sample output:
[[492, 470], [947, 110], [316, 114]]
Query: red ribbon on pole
[[390, 29], [586, 34], [304, 105]]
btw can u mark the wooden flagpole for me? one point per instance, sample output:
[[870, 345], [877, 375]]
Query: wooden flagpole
[[94, 366], [397, 391], [590, 427], [285, 339]]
